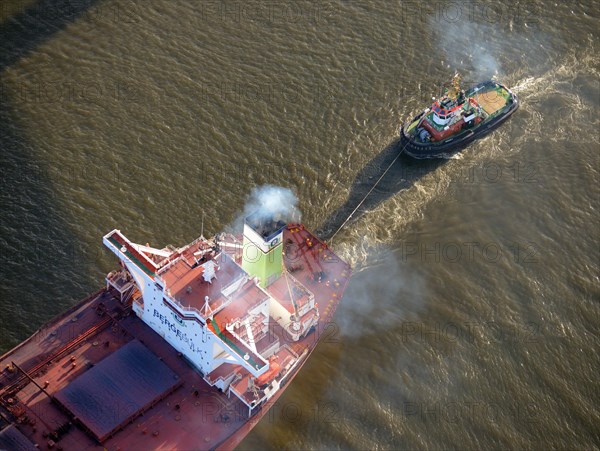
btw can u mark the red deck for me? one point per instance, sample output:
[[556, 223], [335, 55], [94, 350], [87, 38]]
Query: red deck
[[187, 285], [193, 416]]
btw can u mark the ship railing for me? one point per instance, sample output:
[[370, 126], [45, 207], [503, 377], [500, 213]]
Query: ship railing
[[229, 293], [247, 358], [258, 401], [168, 262], [251, 405], [249, 342], [227, 379], [267, 393], [188, 309], [289, 368], [310, 294], [214, 309], [122, 282]]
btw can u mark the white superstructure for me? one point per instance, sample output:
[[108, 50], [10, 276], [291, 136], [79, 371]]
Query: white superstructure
[[205, 305]]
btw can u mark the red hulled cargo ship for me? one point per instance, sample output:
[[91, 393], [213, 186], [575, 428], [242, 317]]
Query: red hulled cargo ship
[[185, 348]]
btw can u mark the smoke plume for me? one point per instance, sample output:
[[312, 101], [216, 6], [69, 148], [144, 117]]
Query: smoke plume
[[269, 201], [381, 295], [482, 44], [469, 46]]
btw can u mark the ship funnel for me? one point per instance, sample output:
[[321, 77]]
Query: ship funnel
[[263, 247]]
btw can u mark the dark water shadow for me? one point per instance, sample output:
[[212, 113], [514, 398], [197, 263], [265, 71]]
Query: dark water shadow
[[24, 32], [404, 172], [41, 266]]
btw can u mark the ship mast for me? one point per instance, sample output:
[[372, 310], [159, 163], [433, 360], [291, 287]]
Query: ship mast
[[290, 290], [454, 91]]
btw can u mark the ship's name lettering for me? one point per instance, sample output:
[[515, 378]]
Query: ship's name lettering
[[173, 328]]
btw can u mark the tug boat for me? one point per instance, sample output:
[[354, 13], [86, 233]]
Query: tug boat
[[457, 118]]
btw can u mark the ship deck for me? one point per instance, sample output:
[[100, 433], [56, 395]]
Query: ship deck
[[493, 100], [185, 414]]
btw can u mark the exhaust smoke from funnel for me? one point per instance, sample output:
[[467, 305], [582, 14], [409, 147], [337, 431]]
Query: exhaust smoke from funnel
[[272, 202]]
